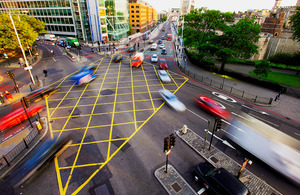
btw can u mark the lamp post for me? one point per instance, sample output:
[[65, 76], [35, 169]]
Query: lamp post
[[26, 62]]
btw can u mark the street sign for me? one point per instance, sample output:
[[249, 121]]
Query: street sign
[[28, 68]]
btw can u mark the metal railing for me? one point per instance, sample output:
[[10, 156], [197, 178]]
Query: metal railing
[[5, 160], [229, 89]]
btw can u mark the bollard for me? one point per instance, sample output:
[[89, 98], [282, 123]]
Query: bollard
[[38, 125], [184, 129]]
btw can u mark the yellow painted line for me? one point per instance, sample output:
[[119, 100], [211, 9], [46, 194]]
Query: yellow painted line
[[58, 176], [133, 100], [158, 77], [79, 166], [61, 100], [48, 114], [87, 127], [113, 114], [172, 78], [148, 88], [100, 141]]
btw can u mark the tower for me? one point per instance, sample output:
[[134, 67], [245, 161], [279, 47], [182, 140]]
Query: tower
[[277, 4]]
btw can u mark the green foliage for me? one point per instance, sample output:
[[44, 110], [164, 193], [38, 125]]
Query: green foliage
[[130, 30], [28, 29], [209, 31], [262, 68], [295, 24], [286, 58], [164, 18]]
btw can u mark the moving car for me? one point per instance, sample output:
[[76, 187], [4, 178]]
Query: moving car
[[154, 58], [218, 180], [17, 116], [137, 60], [159, 41], [163, 76], [154, 46], [164, 51], [41, 93], [163, 64], [151, 41], [90, 67], [213, 107], [161, 46], [84, 77], [130, 49], [117, 58], [37, 158], [172, 100]]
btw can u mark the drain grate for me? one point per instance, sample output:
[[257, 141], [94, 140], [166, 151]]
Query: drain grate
[[176, 187], [214, 159]]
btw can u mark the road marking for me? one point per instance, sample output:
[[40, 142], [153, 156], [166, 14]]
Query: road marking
[[58, 176], [222, 140], [133, 102], [224, 97], [197, 115], [297, 134], [226, 103], [261, 112], [148, 89]]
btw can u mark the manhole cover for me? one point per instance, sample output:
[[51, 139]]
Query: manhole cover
[[176, 187], [214, 159], [107, 92]]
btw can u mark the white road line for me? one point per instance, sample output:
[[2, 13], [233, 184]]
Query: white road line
[[297, 134], [263, 120], [197, 115], [218, 100]]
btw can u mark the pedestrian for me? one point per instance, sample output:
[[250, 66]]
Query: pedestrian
[[8, 95], [45, 72]]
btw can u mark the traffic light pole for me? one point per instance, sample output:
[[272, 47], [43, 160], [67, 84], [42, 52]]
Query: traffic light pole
[[167, 160], [212, 135], [23, 104]]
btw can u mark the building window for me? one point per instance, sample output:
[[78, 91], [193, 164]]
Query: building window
[[132, 20], [132, 6], [137, 11], [137, 20], [137, 6], [132, 11], [276, 34], [133, 25], [137, 16], [138, 25], [132, 16]]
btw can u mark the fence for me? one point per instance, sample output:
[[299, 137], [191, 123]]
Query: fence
[[11, 155], [229, 89]]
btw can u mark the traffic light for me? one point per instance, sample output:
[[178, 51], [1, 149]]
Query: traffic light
[[219, 124], [166, 144], [26, 101], [10, 74], [172, 140], [138, 44]]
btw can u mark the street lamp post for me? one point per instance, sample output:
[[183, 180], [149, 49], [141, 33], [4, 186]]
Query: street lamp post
[[26, 62]]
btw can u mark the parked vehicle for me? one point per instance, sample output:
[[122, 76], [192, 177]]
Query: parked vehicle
[[161, 46], [17, 116], [163, 76], [49, 37], [154, 46], [213, 107], [73, 42], [137, 60], [172, 100], [218, 180], [154, 58]]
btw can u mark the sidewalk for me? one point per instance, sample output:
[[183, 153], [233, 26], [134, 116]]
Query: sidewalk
[[175, 184]]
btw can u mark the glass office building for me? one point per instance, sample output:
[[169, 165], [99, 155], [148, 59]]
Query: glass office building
[[89, 20]]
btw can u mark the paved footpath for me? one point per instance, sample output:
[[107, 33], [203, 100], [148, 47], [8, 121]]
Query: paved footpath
[[216, 158]]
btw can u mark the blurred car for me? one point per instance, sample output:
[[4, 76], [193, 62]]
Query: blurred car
[[218, 180], [172, 100], [163, 76], [18, 116], [130, 49], [159, 41], [163, 64], [162, 38], [41, 93], [84, 77], [117, 58], [154, 58], [164, 52], [213, 107], [153, 47], [161, 46], [90, 67], [150, 42], [37, 158]]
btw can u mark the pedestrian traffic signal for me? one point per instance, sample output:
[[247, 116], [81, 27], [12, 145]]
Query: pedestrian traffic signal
[[10, 74], [26, 101], [166, 144], [172, 140], [219, 124]]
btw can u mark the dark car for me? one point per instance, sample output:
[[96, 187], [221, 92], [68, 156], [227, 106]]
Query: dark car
[[159, 41], [130, 49], [117, 58], [164, 52], [163, 64], [218, 180]]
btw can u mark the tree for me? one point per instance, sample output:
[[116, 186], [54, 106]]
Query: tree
[[28, 29], [295, 24], [164, 18], [262, 68]]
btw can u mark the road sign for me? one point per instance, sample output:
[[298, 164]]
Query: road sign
[[28, 68]]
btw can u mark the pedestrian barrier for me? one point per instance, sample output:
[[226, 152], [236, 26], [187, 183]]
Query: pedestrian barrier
[[229, 89], [5, 160]]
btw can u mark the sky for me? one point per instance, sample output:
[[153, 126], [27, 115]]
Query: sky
[[231, 5]]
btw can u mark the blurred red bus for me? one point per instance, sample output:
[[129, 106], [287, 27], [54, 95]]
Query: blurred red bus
[[169, 37]]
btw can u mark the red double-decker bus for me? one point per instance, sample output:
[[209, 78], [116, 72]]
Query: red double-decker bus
[[169, 37]]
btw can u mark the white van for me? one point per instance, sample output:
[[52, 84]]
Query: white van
[[154, 46]]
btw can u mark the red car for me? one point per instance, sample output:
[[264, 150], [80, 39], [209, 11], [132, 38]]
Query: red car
[[163, 64], [17, 116], [213, 107]]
